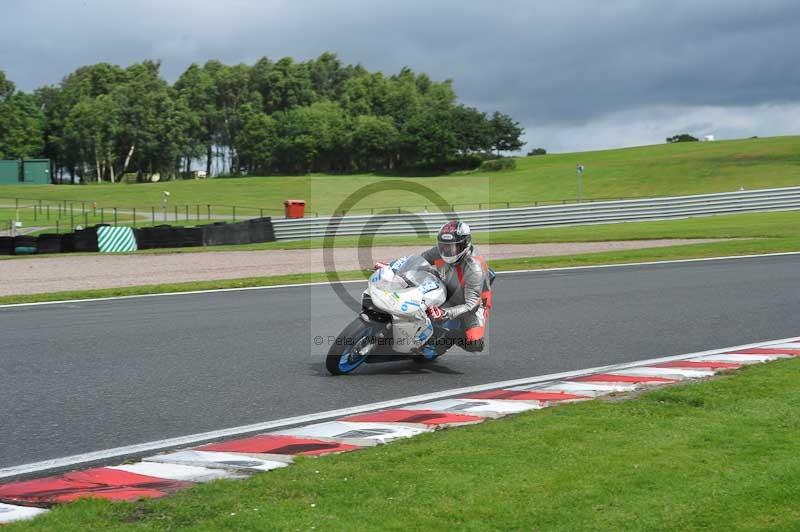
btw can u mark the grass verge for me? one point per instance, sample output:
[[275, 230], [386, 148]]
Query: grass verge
[[660, 170], [716, 455]]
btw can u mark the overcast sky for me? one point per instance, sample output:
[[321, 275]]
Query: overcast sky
[[577, 75]]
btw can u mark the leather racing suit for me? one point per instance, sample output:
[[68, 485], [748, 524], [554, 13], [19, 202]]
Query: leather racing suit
[[469, 295]]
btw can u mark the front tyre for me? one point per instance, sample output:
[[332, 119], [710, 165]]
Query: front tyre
[[351, 348]]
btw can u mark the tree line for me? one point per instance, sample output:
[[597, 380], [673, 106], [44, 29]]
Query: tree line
[[104, 121]]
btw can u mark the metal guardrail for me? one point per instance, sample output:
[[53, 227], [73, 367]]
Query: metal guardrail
[[555, 215]]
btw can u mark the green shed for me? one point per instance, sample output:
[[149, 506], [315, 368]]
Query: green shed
[[9, 172], [36, 171]]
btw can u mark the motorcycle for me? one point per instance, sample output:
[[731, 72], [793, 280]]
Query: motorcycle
[[393, 323]]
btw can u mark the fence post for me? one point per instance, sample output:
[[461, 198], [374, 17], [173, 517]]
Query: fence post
[[209, 211], [102, 214], [234, 214], [152, 216], [176, 213], [48, 212], [187, 212], [198, 212], [261, 213], [58, 227], [134, 216], [115, 216], [85, 219]]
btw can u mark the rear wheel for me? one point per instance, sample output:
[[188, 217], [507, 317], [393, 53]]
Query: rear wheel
[[352, 347]]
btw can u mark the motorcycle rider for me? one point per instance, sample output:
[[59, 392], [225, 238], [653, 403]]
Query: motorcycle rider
[[469, 294]]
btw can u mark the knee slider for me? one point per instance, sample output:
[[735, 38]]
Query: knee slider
[[474, 346]]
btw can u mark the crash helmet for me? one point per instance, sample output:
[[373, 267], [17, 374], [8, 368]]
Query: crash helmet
[[454, 241]]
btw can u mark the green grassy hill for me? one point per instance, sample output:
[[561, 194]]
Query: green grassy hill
[[668, 169]]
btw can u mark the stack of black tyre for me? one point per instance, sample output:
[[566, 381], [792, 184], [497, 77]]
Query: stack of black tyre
[[6, 245], [261, 230], [50, 243], [25, 245], [85, 240], [167, 236]]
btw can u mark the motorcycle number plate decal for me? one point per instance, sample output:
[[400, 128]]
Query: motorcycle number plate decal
[[428, 286]]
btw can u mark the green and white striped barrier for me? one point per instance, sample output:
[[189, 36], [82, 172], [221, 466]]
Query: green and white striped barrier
[[115, 239]]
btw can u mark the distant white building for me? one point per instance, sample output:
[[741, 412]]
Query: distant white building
[[708, 138]]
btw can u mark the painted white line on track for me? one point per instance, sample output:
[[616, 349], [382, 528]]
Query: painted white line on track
[[196, 439], [326, 283], [653, 263]]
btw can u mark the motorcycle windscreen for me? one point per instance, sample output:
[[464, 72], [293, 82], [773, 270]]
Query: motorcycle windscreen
[[386, 279]]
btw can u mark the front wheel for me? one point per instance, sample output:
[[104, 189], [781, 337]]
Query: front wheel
[[351, 348]]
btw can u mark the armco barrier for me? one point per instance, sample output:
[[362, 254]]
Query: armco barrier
[[576, 214]]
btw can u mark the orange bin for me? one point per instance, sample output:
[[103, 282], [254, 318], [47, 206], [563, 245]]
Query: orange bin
[[294, 208]]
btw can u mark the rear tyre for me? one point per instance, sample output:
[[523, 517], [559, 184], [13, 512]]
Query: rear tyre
[[351, 348]]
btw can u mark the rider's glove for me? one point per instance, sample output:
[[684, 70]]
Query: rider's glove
[[435, 313], [379, 265]]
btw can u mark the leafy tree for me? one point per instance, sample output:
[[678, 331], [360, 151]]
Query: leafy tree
[[375, 142], [197, 89], [91, 128], [473, 130], [429, 137], [327, 76], [506, 133], [365, 94], [316, 137], [537, 151], [21, 122], [256, 141], [103, 120], [289, 86]]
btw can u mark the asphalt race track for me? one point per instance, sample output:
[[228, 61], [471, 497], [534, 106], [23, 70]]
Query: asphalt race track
[[81, 377]]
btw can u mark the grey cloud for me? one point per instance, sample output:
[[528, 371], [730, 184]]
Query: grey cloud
[[565, 64]]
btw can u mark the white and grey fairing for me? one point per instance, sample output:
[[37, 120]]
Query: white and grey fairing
[[400, 293]]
